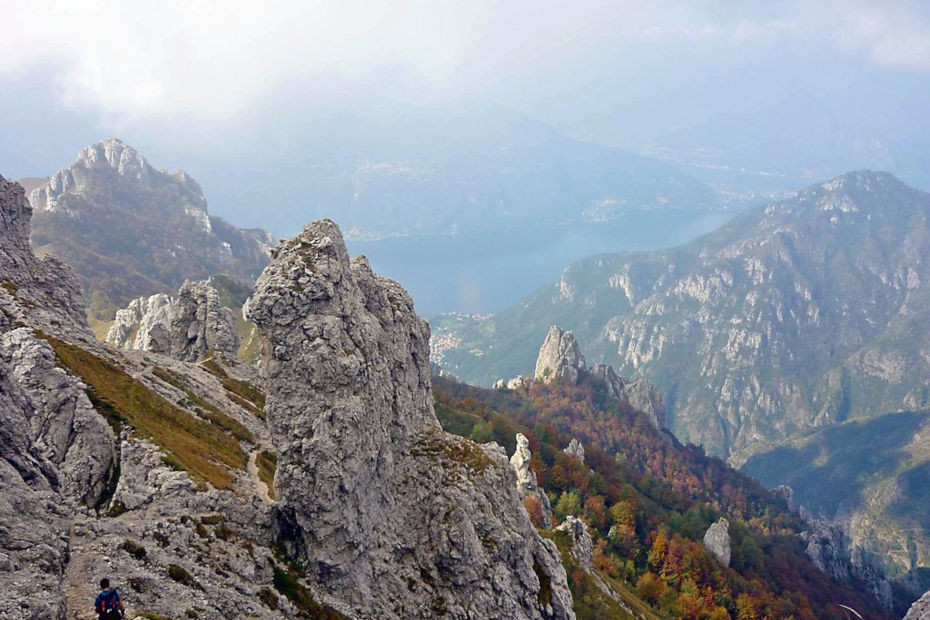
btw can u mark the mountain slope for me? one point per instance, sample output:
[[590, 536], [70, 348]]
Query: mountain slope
[[802, 313], [129, 230], [870, 476], [647, 502]]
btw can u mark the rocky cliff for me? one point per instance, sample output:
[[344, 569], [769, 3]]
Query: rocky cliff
[[185, 327], [129, 229], [128, 466], [391, 516], [161, 473], [560, 359]]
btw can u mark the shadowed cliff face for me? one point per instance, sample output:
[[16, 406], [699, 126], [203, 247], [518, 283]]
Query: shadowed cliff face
[[392, 516]]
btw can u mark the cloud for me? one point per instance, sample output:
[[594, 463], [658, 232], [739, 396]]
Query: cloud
[[895, 35], [219, 60]]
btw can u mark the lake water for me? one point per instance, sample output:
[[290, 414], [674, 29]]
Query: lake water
[[485, 272]]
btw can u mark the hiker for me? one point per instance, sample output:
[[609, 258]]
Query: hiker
[[108, 604]]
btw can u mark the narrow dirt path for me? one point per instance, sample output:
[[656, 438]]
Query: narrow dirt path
[[260, 486], [79, 579]]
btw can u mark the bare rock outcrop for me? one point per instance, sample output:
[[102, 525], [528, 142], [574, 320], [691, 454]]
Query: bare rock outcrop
[[526, 478], [717, 540], [575, 449], [920, 609], [64, 426], [184, 327], [560, 358], [391, 516], [830, 549], [582, 548]]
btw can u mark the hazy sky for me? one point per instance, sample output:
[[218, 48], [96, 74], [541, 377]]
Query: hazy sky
[[182, 80]]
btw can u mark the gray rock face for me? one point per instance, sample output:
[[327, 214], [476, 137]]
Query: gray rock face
[[644, 396], [717, 540], [560, 357], [392, 516], [526, 478], [575, 450], [185, 328], [64, 427], [45, 290], [136, 319], [33, 535], [582, 548], [920, 609], [787, 493], [829, 548]]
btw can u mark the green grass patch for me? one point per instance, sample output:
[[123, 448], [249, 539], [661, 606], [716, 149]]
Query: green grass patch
[[267, 462], [286, 582], [203, 450], [210, 412], [136, 551], [433, 444], [10, 286], [243, 389], [180, 574], [205, 408]]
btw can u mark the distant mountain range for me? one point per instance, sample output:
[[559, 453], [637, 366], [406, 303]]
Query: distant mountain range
[[129, 229], [804, 313], [386, 169]]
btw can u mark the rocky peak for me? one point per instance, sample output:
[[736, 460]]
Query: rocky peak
[[559, 357], [113, 153], [717, 540], [184, 327], [575, 449], [386, 511], [131, 229]]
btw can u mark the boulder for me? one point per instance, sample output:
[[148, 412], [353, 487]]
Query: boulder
[[717, 540]]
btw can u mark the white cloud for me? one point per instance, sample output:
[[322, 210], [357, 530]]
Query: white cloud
[[215, 59], [895, 35]]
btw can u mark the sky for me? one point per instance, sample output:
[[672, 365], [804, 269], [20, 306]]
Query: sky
[[200, 85]]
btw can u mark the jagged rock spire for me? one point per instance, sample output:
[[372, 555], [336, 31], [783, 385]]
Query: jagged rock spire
[[364, 470], [527, 485], [559, 357]]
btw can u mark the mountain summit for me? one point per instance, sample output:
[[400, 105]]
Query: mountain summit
[[129, 229]]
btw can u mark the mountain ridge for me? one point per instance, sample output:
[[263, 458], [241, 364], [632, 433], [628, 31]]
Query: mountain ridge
[[130, 229], [826, 261]]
